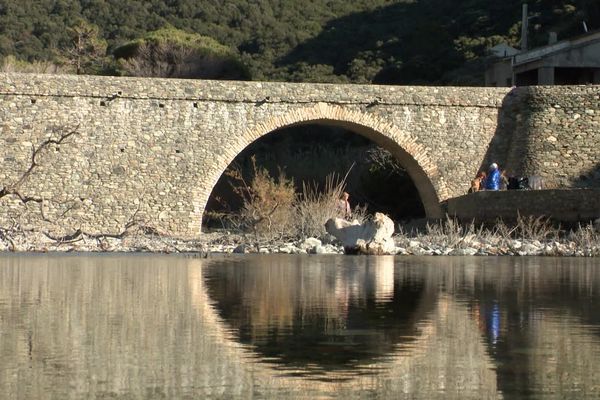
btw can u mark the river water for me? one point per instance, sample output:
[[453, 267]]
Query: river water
[[279, 326]]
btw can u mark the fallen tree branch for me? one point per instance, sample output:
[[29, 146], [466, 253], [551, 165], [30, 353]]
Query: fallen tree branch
[[66, 238], [14, 188]]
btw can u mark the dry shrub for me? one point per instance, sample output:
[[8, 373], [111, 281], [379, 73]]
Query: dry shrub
[[586, 237], [272, 210], [536, 228], [316, 206], [268, 203], [501, 234], [450, 233]]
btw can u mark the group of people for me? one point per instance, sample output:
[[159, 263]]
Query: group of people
[[495, 179]]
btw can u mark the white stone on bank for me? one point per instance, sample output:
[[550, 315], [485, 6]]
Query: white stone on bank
[[372, 237]]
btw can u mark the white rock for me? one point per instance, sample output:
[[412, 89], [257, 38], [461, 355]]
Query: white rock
[[401, 250], [284, 250], [310, 243], [530, 248], [326, 249], [372, 237], [297, 250]]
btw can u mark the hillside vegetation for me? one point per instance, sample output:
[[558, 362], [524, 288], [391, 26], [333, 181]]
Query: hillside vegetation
[[381, 41]]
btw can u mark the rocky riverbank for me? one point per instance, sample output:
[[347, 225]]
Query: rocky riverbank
[[583, 243]]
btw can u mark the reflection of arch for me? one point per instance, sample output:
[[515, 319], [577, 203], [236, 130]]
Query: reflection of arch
[[411, 155], [358, 311], [426, 368]]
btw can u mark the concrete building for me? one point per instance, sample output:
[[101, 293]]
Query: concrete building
[[569, 62], [499, 72]]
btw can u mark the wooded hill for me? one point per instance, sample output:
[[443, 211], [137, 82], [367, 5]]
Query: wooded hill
[[381, 41]]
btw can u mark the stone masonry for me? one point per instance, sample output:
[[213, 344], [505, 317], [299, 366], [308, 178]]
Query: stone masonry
[[155, 148]]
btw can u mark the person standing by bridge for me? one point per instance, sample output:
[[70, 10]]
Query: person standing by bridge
[[478, 182], [344, 206], [492, 182]]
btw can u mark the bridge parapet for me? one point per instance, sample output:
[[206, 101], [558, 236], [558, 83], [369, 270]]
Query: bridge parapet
[[246, 92]]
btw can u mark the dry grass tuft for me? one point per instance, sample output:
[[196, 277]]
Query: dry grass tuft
[[586, 237], [315, 207]]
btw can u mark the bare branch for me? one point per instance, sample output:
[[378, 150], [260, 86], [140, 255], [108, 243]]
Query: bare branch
[[35, 153]]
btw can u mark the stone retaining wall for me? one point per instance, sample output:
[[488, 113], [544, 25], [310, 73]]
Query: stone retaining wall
[[563, 205], [557, 135]]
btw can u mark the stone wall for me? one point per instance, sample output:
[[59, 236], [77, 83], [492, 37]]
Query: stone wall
[[558, 135], [563, 205], [155, 148]]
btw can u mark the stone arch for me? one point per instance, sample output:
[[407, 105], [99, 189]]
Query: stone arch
[[411, 155]]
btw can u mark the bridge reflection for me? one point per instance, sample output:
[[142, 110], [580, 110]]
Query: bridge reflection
[[175, 327], [386, 329], [467, 325], [333, 315]]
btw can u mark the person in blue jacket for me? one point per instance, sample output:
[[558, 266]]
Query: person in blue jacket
[[492, 181]]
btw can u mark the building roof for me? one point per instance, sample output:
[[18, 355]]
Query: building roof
[[503, 50], [563, 46]]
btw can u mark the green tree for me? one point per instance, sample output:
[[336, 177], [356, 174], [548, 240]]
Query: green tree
[[385, 41], [170, 52], [87, 53]]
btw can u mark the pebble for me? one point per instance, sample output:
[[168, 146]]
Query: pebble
[[21, 242]]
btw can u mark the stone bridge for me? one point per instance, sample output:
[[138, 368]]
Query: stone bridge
[[156, 147]]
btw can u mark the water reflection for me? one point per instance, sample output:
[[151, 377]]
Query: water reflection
[[289, 327], [335, 315]]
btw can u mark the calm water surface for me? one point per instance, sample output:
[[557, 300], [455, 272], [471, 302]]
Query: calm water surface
[[147, 326]]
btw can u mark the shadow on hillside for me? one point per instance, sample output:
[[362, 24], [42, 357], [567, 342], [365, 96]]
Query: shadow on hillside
[[405, 43]]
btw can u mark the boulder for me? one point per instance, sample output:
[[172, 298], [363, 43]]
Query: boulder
[[371, 237], [309, 245]]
